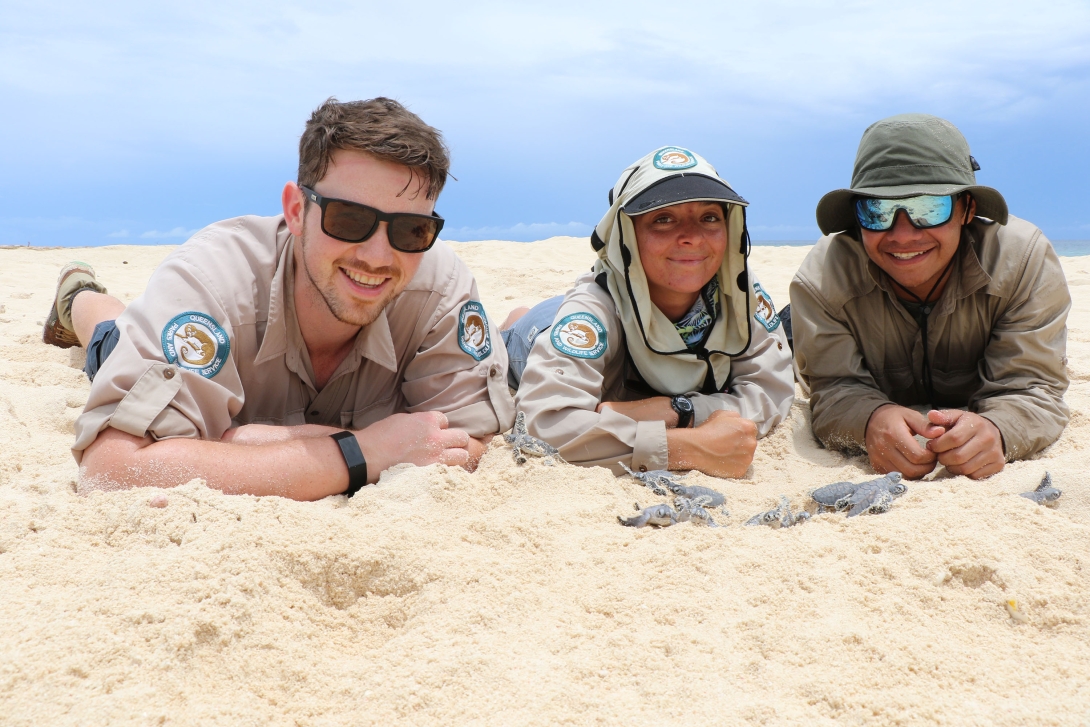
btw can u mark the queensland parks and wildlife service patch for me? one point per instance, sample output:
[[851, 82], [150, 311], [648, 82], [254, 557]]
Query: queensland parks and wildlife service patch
[[580, 335], [473, 334], [673, 158], [766, 312], [196, 342]]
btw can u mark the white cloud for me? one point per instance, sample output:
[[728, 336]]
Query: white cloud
[[219, 73], [119, 233]]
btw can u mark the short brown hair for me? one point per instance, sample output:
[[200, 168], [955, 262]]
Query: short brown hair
[[381, 127]]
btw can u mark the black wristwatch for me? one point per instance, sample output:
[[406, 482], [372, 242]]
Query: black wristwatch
[[353, 459], [683, 405]]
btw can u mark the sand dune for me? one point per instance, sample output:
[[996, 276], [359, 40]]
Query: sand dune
[[512, 596]]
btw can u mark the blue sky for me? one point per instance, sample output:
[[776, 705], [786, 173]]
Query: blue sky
[[135, 122]]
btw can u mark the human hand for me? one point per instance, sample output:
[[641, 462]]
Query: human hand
[[421, 439], [654, 409], [722, 446], [972, 445], [892, 445]]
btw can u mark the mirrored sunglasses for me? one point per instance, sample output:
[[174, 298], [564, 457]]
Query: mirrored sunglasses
[[354, 222], [923, 212]]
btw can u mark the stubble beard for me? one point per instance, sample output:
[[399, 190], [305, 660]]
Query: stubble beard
[[352, 312]]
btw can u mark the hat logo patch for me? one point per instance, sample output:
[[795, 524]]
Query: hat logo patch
[[196, 342], [673, 158], [580, 335], [766, 313], [473, 336]]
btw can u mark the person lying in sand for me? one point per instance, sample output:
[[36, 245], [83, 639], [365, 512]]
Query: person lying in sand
[[927, 310], [669, 353], [298, 355]]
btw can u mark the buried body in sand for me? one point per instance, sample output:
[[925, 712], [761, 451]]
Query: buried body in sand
[[511, 595]]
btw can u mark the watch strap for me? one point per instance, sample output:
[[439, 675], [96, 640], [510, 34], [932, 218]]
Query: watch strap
[[353, 458], [683, 405]]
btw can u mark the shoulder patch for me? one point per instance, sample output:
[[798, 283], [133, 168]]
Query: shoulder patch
[[766, 313], [196, 342], [473, 336], [580, 335]]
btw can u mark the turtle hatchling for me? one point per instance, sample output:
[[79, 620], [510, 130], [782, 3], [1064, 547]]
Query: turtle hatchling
[[703, 496], [523, 444], [1045, 494], [693, 511], [779, 517], [658, 481], [869, 494], [658, 515]]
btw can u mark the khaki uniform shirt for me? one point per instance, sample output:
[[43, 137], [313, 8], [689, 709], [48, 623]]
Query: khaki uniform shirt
[[997, 337], [213, 343], [559, 393]]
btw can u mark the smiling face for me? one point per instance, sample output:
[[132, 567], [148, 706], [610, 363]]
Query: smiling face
[[916, 259], [681, 248], [353, 282]]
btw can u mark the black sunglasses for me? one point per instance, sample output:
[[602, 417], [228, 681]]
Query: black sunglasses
[[354, 222]]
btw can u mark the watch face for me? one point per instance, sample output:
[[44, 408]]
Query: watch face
[[683, 403]]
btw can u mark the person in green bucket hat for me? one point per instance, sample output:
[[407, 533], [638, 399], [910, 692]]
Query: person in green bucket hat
[[929, 325]]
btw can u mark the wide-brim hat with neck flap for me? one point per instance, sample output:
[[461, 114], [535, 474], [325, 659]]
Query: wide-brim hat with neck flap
[[668, 176], [907, 156]]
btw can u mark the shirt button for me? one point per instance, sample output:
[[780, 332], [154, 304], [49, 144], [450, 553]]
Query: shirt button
[[643, 468], [779, 345], [494, 371], [168, 374], [560, 372]]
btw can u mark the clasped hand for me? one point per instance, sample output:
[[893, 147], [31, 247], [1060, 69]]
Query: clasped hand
[[964, 442]]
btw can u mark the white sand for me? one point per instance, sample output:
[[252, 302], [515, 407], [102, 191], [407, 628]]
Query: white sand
[[512, 596]]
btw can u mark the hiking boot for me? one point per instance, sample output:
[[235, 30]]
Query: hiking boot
[[74, 277]]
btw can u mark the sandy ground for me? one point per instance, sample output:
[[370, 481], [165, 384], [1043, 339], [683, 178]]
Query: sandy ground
[[512, 596]]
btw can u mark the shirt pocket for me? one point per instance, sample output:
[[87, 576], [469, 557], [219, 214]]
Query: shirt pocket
[[898, 383], [953, 387], [374, 412]]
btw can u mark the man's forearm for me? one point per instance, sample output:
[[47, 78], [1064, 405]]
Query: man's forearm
[[257, 434], [308, 468]]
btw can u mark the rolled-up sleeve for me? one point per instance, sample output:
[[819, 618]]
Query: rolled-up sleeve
[[139, 391], [560, 394], [1024, 371]]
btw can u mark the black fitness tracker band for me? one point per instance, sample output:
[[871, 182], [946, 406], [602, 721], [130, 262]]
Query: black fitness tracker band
[[683, 405], [353, 457]]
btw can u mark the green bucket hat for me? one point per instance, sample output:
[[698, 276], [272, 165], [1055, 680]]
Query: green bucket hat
[[906, 156]]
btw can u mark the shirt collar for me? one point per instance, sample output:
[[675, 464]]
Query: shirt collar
[[374, 342], [966, 277]]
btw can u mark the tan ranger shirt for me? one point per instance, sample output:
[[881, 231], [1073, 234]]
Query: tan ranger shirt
[[997, 337], [213, 343], [559, 393]]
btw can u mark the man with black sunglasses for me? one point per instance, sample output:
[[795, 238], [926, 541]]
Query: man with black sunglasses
[[298, 355], [928, 312]]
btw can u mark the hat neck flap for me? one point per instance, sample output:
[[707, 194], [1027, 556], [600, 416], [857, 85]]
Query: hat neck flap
[[656, 348]]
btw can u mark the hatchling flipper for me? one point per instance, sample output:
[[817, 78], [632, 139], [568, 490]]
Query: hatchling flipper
[[1045, 494]]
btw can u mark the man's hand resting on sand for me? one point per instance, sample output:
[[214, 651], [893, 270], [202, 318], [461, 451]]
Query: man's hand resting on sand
[[965, 443]]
